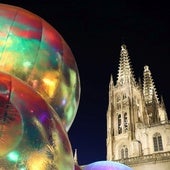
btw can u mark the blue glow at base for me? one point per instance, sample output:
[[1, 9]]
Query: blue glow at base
[[106, 165]]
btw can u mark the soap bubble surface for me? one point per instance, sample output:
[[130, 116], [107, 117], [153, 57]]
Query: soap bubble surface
[[32, 136], [32, 50]]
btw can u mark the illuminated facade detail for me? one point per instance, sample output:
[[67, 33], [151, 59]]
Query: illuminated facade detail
[[138, 129], [157, 142], [124, 152]]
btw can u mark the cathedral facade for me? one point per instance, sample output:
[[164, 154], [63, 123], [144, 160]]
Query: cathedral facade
[[138, 129]]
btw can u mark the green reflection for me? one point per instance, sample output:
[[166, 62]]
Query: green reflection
[[13, 156]]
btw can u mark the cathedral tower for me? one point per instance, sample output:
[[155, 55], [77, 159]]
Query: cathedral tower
[[137, 123]]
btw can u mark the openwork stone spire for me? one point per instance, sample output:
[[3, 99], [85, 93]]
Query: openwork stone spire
[[125, 74], [149, 90]]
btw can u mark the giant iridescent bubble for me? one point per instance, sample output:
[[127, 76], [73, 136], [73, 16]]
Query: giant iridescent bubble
[[32, 136], [106, 165], [32, 50]]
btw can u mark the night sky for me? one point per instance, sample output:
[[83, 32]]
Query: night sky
[[95, 32]]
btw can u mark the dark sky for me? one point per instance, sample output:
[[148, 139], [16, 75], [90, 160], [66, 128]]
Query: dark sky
[[95, 31]]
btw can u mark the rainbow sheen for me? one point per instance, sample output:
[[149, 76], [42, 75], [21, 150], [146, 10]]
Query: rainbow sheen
[[106, 165], [32, 50], [32, 136]]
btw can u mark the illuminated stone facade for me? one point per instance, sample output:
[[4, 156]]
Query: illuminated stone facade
[[138, 129]]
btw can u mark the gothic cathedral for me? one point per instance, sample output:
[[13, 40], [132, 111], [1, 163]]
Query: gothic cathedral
[[138, 129]]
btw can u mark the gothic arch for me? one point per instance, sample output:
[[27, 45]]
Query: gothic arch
[[121, 150], [118, 98], [157, 142], [119, 123], [125, 121]]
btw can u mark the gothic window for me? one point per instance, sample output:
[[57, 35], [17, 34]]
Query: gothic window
[[124, 96], [119, 124], [124, 152], [125, 121], [118, 98], [157, 142], [118, 106]]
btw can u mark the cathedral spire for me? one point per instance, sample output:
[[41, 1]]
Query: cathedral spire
[[149, 90], [125, 73], [111, 81], [162, 102], [111, 85]]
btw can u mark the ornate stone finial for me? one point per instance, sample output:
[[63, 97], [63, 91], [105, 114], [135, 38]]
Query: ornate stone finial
[[123, 47], [75, 156], [146, 68], [124, 50], [111, 81]]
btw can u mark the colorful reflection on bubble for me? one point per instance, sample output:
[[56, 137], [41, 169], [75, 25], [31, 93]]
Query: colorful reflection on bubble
[[32, 136], [32, 50]]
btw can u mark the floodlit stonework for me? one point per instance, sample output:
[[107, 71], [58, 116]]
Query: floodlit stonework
[[138, 129]]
